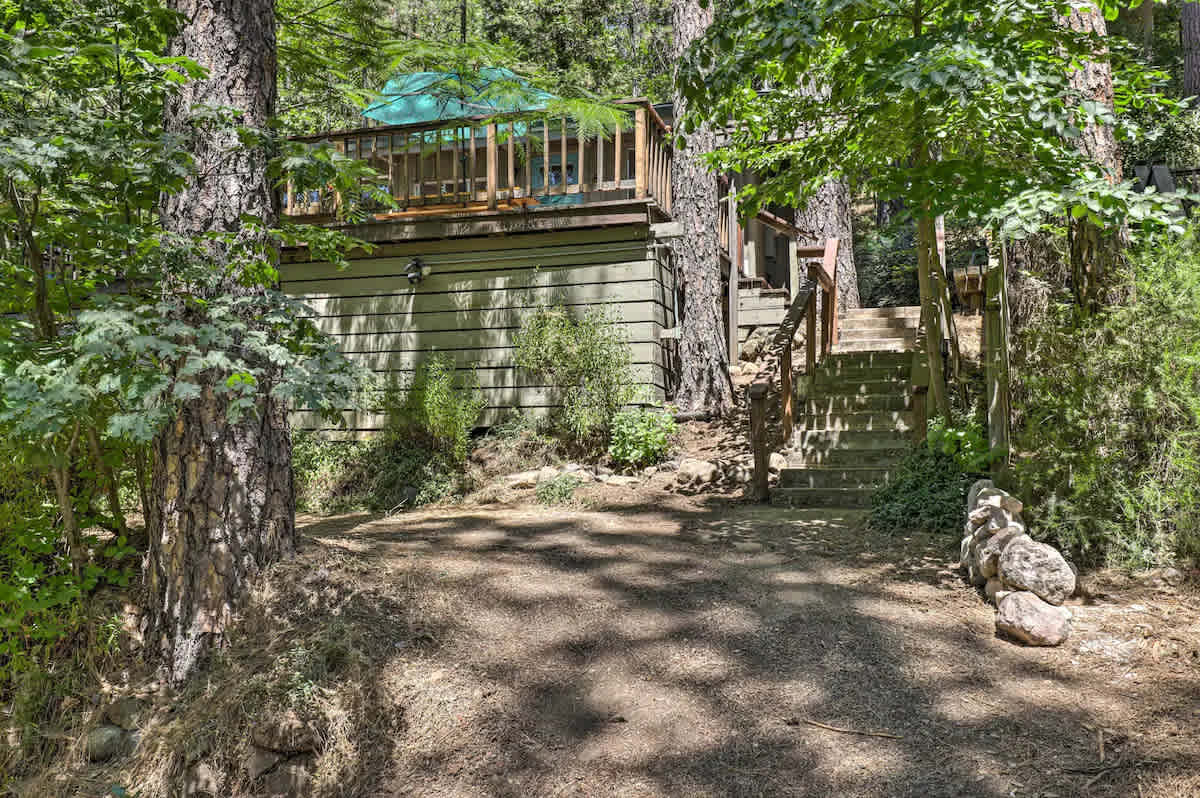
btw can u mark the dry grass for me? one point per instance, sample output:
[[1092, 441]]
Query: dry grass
[[662, 645]]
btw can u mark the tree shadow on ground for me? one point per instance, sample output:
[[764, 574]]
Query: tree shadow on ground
[[647, 649]]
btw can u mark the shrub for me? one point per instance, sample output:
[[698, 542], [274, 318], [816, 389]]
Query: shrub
[[966, 443], [559, 490], [928, 493], [641, 436], [1108, 435], [441, 407], [587, 359]]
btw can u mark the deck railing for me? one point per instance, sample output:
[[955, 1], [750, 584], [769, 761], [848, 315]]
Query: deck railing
[[822, 277], [431, 167]]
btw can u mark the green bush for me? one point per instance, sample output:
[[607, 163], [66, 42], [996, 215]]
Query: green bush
[[440, 407], [559, 490], [966, 443], [587, 359], [1108, 430], [928, 493], [641, 436]]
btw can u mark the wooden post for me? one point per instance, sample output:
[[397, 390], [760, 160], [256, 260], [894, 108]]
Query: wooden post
[[733, 278], [457, 154], [512, 159], [758, 441], [546, 156], [600, 142], [291, 198], [641, 152], [810, 333], [828, 299], [793, 269], [830, 259], [581, 167], [996, 349], [786, 401], [493, 166], [404, 171], [617, 157], [562, 157]]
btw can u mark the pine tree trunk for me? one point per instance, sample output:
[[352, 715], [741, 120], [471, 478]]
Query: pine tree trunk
[[1095, 253], [704, 382], [223, 494], [1189, 36], [828, 215]]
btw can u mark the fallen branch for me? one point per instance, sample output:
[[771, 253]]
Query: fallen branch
[[840, 730]]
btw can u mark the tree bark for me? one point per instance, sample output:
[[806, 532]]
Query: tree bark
[[223, 493], [1095, 252], [704, 382], [1189, 36], [828, 215]]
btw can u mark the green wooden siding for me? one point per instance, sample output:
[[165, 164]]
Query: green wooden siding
[[473, 302]]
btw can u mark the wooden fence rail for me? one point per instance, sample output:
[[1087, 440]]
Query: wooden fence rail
[[440, 167], [779, 356]]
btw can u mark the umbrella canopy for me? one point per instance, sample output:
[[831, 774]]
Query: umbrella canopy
[[419, 97]]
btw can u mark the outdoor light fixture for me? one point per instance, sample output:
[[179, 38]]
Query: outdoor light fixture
[[417, 271]]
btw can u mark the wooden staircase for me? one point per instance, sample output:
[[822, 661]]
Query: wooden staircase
[[857, 420]]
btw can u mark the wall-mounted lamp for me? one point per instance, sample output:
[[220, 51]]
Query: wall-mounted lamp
[[417, 270]]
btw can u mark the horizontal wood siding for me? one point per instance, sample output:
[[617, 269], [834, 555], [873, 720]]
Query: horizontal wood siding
[[471, 306]]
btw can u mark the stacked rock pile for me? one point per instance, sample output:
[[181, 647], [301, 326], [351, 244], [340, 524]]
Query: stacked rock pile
[[1026, 580]]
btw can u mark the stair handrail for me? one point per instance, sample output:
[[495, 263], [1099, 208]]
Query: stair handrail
[[821, 276], [918, 381]]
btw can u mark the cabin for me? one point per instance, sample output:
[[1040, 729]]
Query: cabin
[[490, 221]]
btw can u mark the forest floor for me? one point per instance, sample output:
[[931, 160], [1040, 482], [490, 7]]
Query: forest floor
[[654, 644], [646, 643]]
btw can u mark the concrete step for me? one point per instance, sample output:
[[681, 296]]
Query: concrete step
[[838, 386], [822, 497], [879, 322], [861, 421], [845, 458], [896, 312], [827, 477], [854, 373], [819, 440], [843, 359], [876, 345], [841, 403]]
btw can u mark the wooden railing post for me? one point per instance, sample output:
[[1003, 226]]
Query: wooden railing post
[[641, 153], [830, 263], [758, 440], [810, 330], [493, 166], [786, 399]]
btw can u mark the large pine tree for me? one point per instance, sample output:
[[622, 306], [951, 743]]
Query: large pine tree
[[704, 382], [224, 503]]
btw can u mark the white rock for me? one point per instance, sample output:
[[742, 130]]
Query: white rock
[[547, 473], [621, 481], [698, 472], [1038, 568], [964, 551], [973, 492], [994, 497], [525, 479], [571, 468], [991, 549], [979, 516], [1025, 617], [649, 471], [995, 590], [776, 463]]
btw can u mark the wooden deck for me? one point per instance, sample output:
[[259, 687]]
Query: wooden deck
[[472, 166]]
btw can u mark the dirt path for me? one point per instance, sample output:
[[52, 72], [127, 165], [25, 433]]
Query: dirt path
[[664, 646]]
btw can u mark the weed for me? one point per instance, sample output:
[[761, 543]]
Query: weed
[[559, 490]]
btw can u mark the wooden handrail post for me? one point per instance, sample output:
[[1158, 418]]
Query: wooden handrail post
[[641, 151], [493, 166], [830, 263], [786, 400], [758, 441], [810, 343]]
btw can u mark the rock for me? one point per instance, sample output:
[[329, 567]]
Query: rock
[[603, 471], [261, 761], [124, 713], [991, 549], [995, 590], [979, 516], [525, 479], [697, 472], [994, 497], [649, 471], [571, 468], [964, 551], [776, 463], [1160, 578], [754, 344], [288, 779], [739, 473], [1025, 617], [547, 473], [1038, 568], [286, 734], [584, 476], [668, 465], [973, 492], [202, 780], [105, 742], [974, 573], [621, 481]]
